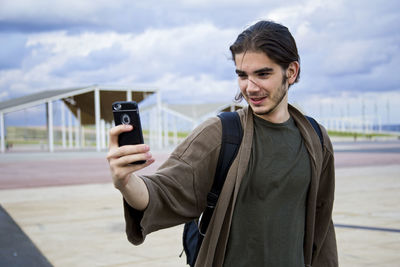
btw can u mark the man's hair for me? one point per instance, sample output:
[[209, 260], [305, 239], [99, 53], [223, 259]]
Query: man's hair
[[271, 38]]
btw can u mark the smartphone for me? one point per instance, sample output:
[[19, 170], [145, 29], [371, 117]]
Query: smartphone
[[127, 112]]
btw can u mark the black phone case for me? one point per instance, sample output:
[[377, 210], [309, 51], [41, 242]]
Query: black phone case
[[127, 112]]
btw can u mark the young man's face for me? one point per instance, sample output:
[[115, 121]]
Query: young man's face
[[264, 84]]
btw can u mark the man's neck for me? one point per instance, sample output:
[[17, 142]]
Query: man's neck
[[278, 115]]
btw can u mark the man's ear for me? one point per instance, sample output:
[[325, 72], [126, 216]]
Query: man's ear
[[292, 71]]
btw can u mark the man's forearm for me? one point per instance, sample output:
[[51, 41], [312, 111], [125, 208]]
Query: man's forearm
[[135, 193]]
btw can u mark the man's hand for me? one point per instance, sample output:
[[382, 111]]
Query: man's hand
[[119, 158]]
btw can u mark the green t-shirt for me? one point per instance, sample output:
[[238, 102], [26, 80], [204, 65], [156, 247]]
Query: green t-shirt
[[269, 217]]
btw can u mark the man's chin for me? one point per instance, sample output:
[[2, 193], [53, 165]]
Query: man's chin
[[260, 111]]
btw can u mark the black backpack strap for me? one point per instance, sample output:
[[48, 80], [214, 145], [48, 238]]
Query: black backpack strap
[[232, 134], [316, 127]]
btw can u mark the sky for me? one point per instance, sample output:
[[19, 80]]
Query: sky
[[349, 50]]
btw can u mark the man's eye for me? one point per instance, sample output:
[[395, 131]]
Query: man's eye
[[242, 76], [263, 74]]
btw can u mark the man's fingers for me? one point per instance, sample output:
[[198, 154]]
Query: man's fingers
[[125, 160], [116, 131], [120, 172], [128, 150], [134, 168]]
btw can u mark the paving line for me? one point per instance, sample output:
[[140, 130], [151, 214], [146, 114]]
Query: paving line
[[392, 230]]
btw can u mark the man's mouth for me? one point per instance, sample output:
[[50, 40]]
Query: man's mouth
[[257, 100]]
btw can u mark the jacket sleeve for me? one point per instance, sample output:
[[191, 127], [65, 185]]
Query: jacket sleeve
[[178, 190], [325, 248]]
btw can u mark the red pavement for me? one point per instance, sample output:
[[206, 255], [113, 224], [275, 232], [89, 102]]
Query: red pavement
[[354, 159], [91, 168], [59, 171]]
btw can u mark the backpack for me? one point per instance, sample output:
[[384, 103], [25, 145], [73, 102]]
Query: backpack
[[232, 133]]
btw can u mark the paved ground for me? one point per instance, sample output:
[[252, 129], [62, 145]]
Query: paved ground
[[65, 203]]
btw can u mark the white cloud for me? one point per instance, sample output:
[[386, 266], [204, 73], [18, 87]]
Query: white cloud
[[187, 52], [3, 95], [345, 47], [75, 45], [202, 88]]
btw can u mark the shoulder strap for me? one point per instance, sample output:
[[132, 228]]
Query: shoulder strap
[[316, 127], [232, 134]]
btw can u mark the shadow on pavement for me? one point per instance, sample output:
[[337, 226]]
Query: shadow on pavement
[[16, 249]]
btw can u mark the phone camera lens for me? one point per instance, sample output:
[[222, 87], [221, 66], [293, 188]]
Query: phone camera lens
[[125, 119], [117, 106]]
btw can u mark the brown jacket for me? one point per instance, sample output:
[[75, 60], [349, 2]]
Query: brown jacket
[[179, 188]]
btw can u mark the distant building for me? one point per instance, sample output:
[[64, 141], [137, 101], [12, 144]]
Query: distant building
[[89, 105]]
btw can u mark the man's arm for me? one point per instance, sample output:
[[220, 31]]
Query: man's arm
[[130, 185], [177, 191], [325, 247]]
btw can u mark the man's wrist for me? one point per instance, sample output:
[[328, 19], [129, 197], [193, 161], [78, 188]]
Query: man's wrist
[[122, 183]]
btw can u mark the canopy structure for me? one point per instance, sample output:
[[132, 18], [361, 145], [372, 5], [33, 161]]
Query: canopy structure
[[196, 113], [90, 105]]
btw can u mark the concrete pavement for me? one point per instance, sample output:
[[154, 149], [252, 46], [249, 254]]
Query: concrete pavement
[[78, 221]]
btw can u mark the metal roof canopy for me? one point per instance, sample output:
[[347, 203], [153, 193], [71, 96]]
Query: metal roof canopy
[[82, 98], [91, 103]]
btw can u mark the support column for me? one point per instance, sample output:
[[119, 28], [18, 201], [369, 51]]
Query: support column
[[175, 130], [379, 125], [159, 120], [97, 117], [78, 128], [83, 144], [166, 137], [129, 95], [63, 133], [2, 133], [50, 135], [70, 138], [152, 127], [108, 127], [103, 134]]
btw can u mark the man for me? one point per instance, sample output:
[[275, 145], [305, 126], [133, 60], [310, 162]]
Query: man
[[275, 208]]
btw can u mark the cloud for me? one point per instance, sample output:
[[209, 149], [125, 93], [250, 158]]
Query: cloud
[[190, 51], [187, 50], [97, 59], [13, 50], [3, 95], [197, 89], [346, 47], [125, 15]]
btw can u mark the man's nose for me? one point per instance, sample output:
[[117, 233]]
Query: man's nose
[[252, 85]]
